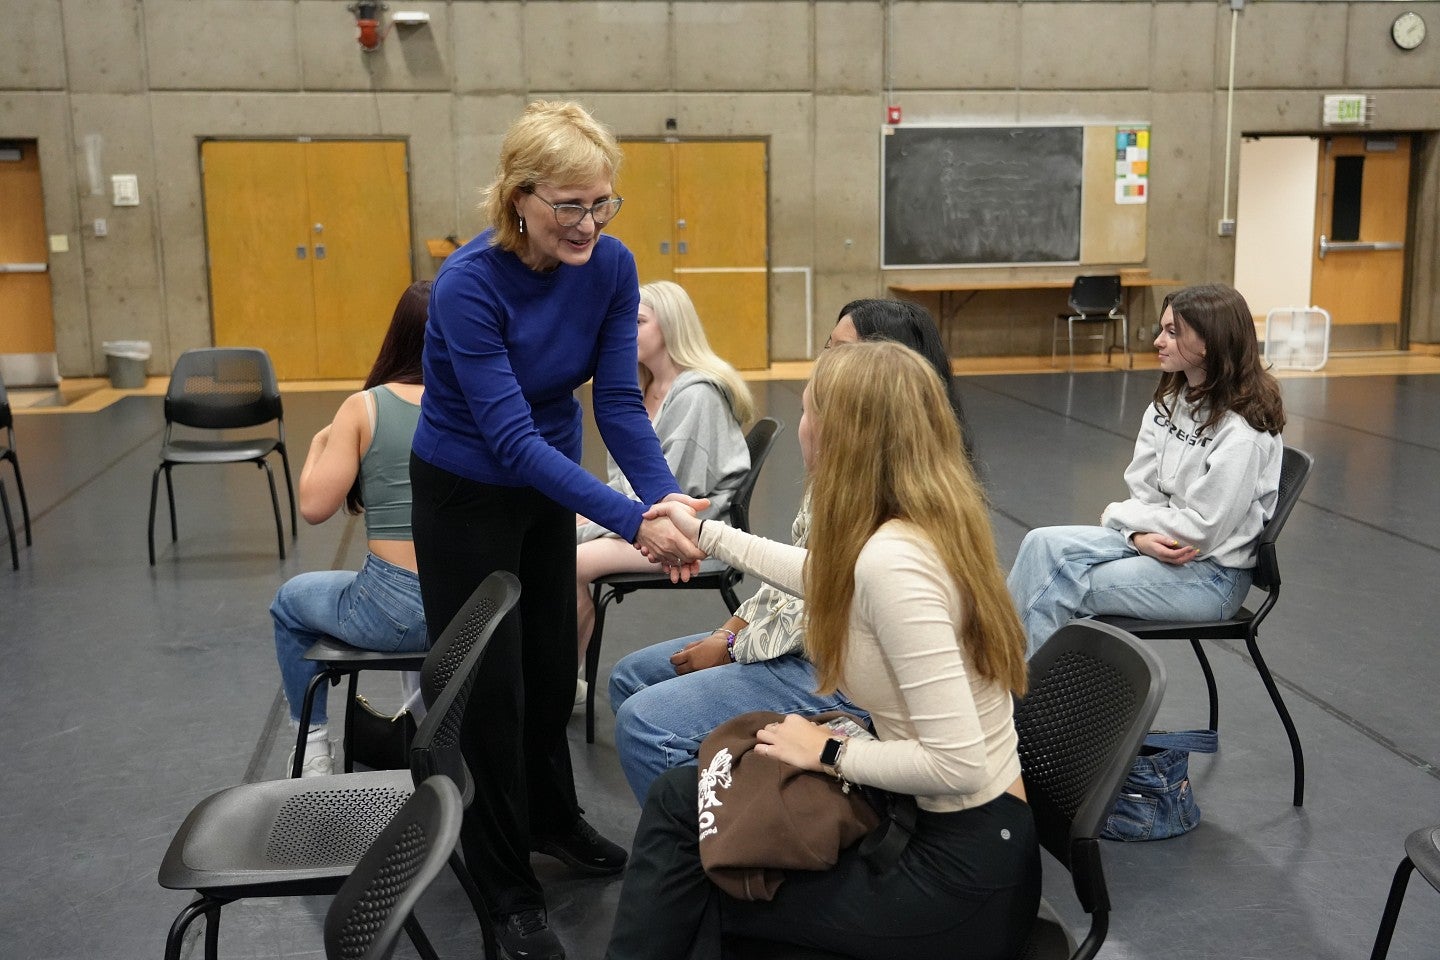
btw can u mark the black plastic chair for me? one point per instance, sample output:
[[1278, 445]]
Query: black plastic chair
[[1245, 625], [288, 838], [222, 388], [7, 452], [1422, 853], [714, 575], [1094, 300], [1093, 694], [378, 899]]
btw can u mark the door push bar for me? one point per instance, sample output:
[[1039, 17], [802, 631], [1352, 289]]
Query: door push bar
[[1334, 246], [23, 267]]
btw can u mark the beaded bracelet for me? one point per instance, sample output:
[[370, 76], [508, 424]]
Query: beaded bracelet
[[729, 642]]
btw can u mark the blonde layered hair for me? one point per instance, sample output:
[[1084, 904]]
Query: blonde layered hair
[[551, 142], [888, 448], [688, 346]]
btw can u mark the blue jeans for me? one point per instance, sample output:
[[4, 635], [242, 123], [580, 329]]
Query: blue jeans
[[660, 717], [375, 609], [1066, 572]]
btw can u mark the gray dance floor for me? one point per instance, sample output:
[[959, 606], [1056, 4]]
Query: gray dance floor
[[128, 693]]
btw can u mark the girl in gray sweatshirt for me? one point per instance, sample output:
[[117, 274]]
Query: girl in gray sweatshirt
[[1202, 484]]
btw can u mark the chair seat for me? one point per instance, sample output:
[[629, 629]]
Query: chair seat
[[711, 573], [1423, 849], [1048, 938], [1233, 628], [218, 451], [283, 833], [331, 651]]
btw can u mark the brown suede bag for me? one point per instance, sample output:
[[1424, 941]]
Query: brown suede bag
[[760, 817]]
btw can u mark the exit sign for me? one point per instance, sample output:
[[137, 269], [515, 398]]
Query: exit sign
[[1347, 109]]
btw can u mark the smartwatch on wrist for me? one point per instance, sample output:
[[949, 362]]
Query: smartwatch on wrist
[[830, 756]]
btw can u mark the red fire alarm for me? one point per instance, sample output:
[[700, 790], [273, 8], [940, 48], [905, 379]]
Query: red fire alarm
[[892, 114]]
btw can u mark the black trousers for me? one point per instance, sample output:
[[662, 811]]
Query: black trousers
[[514, 736], [966, 880]]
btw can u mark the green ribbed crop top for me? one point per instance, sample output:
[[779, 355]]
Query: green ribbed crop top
[[385, 468]]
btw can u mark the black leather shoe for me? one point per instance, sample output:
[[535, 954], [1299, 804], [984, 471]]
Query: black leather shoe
[[526, 936], [583, 849]]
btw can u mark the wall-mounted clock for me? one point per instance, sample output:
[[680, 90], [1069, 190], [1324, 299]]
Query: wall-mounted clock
[[1408, 30]]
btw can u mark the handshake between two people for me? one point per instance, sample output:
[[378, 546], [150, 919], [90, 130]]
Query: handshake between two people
[[670, 535]]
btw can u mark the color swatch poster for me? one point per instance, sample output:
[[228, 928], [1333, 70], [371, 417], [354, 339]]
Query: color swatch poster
[[1132, 164]]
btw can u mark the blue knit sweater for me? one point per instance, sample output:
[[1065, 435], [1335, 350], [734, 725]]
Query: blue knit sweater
[[505, 349]]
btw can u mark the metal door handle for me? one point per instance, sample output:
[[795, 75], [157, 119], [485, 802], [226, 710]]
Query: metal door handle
[[682, 246], [665, 246], [319, 251], [23, 267], [1341, 246], [300, 252]]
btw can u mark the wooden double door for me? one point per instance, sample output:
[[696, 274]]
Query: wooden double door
[[696, 213], [309, 249]]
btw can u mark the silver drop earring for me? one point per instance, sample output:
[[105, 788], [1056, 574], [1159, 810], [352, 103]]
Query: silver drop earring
[[522, 222]]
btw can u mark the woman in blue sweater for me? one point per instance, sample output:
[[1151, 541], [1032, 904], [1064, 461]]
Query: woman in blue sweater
[[520, 317]]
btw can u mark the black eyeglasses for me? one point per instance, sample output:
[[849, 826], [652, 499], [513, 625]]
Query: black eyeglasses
[[570, 214]]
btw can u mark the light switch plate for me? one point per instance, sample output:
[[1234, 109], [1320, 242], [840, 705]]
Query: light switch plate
[[59, 243], [125, 190]]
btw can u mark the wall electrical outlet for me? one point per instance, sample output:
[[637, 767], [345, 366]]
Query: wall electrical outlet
[[1225, 228]]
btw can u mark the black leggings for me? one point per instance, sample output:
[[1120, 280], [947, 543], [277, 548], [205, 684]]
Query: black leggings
[[514, 736], [966, 880]]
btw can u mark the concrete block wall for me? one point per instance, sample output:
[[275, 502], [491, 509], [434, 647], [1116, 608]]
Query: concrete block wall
[[145, 80]]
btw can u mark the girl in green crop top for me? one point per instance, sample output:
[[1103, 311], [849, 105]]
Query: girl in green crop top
[[360, 462]]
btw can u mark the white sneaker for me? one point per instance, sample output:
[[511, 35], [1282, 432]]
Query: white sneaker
[[317, 763]]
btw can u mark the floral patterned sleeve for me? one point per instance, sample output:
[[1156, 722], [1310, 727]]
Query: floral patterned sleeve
[[775, 619]]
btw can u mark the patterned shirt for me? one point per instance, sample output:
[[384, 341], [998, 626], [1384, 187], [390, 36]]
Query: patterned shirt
[[775, 619]]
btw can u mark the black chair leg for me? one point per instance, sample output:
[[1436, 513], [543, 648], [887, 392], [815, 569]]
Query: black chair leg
[[275, 505], [1209, 683], [10, 529], [1296, 753], [347, 737], [477, 903], [417, 937], [1392, 910], [290, 489], [24, 502], [727, 593], [170, 494], [154, 493], [200, 906], [306, 709], [592, 657], [212, 932]]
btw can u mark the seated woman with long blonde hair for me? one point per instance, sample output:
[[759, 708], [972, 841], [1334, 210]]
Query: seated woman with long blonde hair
[[906, 610], [697, 404]]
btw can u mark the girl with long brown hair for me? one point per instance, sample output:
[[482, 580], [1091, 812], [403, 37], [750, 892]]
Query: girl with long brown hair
[[906, 609], [1203, 482]]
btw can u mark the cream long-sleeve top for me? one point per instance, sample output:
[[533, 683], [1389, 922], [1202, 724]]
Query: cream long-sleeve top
[[945, 735]]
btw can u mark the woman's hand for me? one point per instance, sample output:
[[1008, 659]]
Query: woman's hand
[[794, 740], [681, 514], [661, 542], [1164, 548], [711, 651]]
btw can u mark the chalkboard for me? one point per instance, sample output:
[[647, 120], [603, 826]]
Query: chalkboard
[[977, 195]]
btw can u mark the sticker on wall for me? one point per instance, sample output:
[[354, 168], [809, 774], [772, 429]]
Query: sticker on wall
[[1132, 164]]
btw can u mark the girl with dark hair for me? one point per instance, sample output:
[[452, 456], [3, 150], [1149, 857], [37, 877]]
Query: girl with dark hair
[[668, 696], [1203, 482], [361, 463], [908, 323]]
